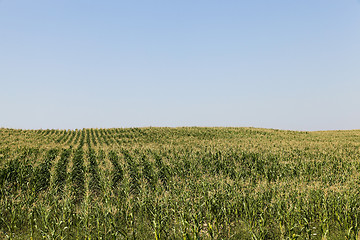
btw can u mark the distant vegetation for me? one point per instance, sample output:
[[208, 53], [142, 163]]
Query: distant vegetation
[[179, 183]]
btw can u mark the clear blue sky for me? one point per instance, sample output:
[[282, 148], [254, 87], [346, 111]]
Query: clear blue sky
[[274, 64]]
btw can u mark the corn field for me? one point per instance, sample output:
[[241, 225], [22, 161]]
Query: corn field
[[179, 183]]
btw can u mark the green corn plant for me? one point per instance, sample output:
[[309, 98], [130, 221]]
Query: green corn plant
[[78, 176], [94, 182], [148, 172], [61, 171], [117, 172]]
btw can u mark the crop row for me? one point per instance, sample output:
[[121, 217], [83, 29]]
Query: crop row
[[92, 137]]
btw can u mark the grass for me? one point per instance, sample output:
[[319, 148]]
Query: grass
[[179, 183]]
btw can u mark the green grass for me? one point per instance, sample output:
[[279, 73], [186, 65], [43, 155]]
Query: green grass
[[179, 183]]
